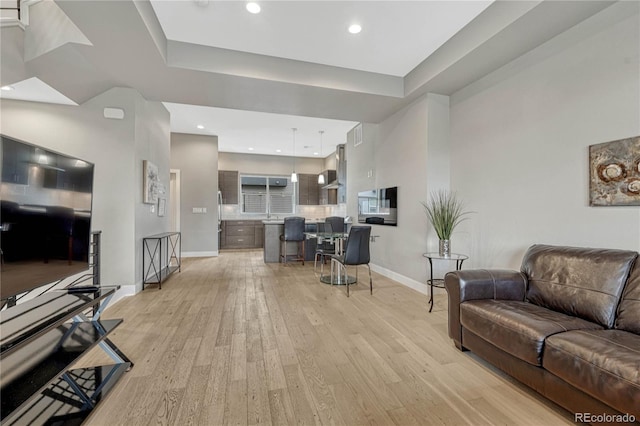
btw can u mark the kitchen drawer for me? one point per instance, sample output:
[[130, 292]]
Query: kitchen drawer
[[243, 222], [239, 230], [240, 241]]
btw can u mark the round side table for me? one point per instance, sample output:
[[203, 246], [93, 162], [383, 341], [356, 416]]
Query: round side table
[[458, 258]]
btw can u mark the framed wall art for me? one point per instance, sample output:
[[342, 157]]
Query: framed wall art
[[614, 169], [151, 182]]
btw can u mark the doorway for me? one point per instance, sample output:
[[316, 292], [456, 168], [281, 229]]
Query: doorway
[[174, 200]]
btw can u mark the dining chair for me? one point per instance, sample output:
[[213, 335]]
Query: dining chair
[[293, 231], [337, 225], [336, 222], [356, 253], [324, 248]]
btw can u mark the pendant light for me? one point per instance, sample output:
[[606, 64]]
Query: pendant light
[[294, 175], [321, 176]]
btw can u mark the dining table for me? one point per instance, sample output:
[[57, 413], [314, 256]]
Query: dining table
[[338, 239]]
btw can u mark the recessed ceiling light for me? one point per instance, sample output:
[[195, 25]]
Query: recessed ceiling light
[[200, 126], [315, 153], [6, 88], [253, 7], [278, 150], [355, 29], [250, 149]]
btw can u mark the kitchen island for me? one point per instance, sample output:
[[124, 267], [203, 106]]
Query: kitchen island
[[272, 231]]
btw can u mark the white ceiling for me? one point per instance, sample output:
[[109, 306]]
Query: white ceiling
[[249, 78], [251, 132], [35, 90], [396, 35]]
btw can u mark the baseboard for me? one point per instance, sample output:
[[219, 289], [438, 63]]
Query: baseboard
[[406, 281], [124, 291], [200, 253]]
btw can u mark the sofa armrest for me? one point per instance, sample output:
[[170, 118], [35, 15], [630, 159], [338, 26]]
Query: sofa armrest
[[474, 284]]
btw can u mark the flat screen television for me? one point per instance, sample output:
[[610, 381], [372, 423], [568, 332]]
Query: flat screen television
[[378, 206], [45, 217]]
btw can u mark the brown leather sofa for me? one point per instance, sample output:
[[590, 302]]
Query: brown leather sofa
[[567, 325]]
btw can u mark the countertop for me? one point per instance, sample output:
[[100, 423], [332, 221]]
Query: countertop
[[307, 221], [281, 221]]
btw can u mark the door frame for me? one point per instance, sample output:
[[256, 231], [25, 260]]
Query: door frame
[[174, 198]]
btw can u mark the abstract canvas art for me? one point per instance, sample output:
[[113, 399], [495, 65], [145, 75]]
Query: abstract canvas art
[[614, 169]]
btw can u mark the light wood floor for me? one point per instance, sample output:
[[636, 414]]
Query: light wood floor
[[231, 340]]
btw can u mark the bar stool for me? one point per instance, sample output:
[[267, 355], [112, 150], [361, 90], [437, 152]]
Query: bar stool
[[293, 231]]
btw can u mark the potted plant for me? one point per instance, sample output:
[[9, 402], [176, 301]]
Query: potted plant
[[445, 211]]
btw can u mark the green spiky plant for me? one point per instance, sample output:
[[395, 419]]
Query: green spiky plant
[[445, 211]]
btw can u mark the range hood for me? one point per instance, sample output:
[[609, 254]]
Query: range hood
[[334, 184], [340, 169]]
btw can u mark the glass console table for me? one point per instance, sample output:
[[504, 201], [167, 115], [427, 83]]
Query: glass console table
[[458, 258]]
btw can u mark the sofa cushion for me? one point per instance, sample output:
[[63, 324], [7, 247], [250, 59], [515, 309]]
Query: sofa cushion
[[602, 363], [582, 282], [516, 327], [629, 310]]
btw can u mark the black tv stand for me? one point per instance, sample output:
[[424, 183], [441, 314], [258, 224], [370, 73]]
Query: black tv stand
[[41, 339]]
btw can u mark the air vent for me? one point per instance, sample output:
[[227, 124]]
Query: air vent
[[357, 135]]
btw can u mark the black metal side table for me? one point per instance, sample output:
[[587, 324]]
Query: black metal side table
[[458, 258]]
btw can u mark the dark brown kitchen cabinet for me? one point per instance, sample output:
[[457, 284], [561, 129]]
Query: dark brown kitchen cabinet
[[308, 190], [328, 196], [228, 184], [239, 234]]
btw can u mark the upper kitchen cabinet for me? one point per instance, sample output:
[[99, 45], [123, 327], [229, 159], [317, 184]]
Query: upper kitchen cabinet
[[328, 196], [308, 190], [228, 184]]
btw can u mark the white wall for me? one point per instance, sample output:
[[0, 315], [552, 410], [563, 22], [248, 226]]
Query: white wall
[[196, 157], [514, 146], [520, 138], [409, 150], [152, 143], [112, 145]]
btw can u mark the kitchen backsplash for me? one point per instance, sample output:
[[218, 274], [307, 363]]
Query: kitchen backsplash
[[232, 212]]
